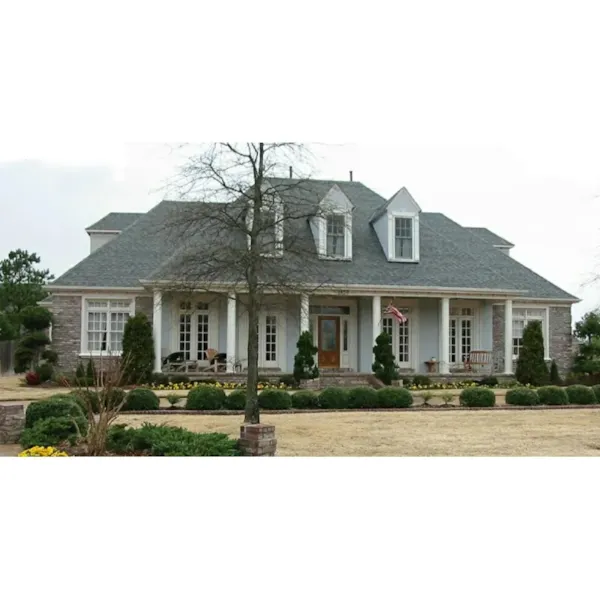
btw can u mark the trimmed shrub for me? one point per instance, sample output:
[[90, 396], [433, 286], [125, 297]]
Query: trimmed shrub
[[179, 379], [45, 371], [531, 366], [80, 371], [475, 397], [394, 397], [289, 381], [522, 396], [52, 431], [141, 399], [489, 381], [138, 349], [163, 440], [362, 397], [35, 318], [333, 398], [305, 399], [552, 395], [50, 356], [235, 401], [596, 389], [554, 375], [159, 379], [304, 361], [56, 406], [205, 397], [406, 381], [581, 394], [274, 400], [82, 397], [384, 365], [421, 380]]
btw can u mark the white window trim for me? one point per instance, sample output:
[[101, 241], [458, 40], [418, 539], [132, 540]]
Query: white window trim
[[392, 236], [347, 214], [213, 325], [84, 352], [278, 205], [545, 325]]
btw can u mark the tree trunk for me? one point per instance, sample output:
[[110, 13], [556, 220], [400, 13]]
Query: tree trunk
[[252, 414]]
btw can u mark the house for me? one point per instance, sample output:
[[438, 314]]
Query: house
[[458, 287]]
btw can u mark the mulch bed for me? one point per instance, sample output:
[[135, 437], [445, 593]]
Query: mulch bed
[[442, 408]]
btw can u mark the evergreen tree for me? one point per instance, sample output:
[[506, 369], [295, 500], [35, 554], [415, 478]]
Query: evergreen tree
[[531, 367], [384, 366], [554, 375], [138, 349], [304, 361]]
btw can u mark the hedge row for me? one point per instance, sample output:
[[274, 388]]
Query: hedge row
[[553, 395], [210, 398]]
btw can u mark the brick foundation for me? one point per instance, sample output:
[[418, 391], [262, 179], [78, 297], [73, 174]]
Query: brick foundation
[[257, 440], [12, 423]]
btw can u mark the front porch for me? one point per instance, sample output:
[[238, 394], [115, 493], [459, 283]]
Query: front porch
[[210, 334]]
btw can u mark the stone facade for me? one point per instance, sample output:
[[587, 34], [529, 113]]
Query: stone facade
[[12, 423], [66, 329], [561, 342]]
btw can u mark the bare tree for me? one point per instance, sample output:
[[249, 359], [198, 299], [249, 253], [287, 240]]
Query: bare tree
[[245, 229]]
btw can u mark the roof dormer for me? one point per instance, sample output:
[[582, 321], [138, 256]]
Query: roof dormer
[[270, 234], [332, 226], [396, 224]]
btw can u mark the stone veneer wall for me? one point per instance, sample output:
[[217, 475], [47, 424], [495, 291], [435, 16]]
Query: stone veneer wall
[[66, 330], [560, 337]]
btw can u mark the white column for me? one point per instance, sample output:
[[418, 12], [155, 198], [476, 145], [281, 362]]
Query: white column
[[304, 318], [231, 323], [508, 347], [157, 330], [445, 336], [376, 317]]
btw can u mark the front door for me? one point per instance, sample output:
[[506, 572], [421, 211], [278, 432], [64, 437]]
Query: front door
[[329, 342]]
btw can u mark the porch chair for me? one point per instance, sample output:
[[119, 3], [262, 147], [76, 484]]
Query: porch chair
[[172, 362], [480, 359], [217, 361]]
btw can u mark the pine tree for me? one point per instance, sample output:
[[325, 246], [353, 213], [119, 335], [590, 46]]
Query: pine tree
[[384, 366], [304, 361], [531, 367], [554, 375], [138, 349]]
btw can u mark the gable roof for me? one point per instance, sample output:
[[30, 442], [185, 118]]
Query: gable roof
[[451, 256], [115, 221], [490, 237]]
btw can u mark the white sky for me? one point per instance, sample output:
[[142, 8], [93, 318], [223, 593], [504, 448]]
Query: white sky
[[489, 116]]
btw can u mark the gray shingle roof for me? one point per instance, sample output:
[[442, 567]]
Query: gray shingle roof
[[115, 221], [490, 237], [450, 255]]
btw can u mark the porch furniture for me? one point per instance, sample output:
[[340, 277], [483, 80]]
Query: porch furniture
[[432, 366], [172, 362], [480, 359], [217, 361]]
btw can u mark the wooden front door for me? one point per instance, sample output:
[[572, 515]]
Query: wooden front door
[[329, 342]]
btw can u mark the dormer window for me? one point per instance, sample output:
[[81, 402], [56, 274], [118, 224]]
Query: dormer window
[[336, 236], [403, 238], [269, 237]]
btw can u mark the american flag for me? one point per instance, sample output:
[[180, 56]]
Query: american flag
[[394, 312]]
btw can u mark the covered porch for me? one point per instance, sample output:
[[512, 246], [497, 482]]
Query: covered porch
[[442, 336]]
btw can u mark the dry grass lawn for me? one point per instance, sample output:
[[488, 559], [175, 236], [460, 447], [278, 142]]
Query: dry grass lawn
[[456, 433]]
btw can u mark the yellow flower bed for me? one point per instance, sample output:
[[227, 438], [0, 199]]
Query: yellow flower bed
[[222, 386], [42, 451]]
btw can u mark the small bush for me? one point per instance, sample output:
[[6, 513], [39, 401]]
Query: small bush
[[33, 378], [394, 397], [333, 398], [50, 356], [141, 399], [554, 374], [489, 381], [174, 399], [83, 397], [289, 381], [362, 397], [304, 361], [552, 395], [475, 397], [177, 379], [162, 440], [384, 363], [205, 397], [581, 394], [522, 396], [406, 381], [235, 401], [80, 371], [305, 399], [421, 380], [45, 371], [596, 389], [160, 379], [52, 431], [274, 400], [56, 406]]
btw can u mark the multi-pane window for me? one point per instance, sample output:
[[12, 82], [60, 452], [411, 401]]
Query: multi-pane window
[[521, 317], [461, 334], [403, 238], [105, 324], [270, 338], [202, 337], [193, 330], [400, 334], [403, 343], [185, 334], [336, 229]]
